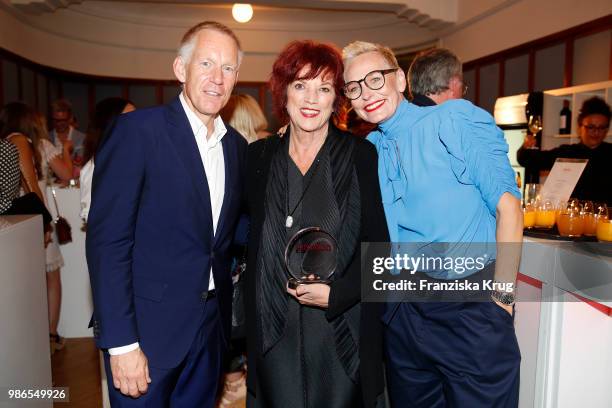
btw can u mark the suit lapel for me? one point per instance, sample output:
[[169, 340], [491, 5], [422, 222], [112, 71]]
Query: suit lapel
[[184, 142]]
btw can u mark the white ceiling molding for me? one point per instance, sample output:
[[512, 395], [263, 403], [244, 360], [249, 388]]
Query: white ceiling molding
[[422, 13], [42, 6]]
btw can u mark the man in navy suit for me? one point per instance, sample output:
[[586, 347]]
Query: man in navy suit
[[166, 199]]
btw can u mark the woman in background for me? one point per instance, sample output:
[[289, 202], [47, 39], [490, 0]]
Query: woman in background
[[27, 130], [104, 116], [10, 176], [595, 183], [243, 113]]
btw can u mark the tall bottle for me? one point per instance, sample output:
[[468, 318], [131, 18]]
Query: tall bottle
[[565, 119]]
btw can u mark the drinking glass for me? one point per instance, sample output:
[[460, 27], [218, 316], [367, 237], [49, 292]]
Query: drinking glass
[[570, 222], [604, 230], [545, 214], [532, 191], [588, 216], [535, 126], [529, 215]]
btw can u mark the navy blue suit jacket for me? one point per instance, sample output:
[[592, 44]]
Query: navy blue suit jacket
[[150, 242]]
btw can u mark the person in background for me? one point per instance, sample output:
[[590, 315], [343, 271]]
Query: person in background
[[103, 119], [10, 175], [244, 114], [595, 183], [443, 354], [27, 130], [316, 345], [63, 130], [26, 166], [435, 76]]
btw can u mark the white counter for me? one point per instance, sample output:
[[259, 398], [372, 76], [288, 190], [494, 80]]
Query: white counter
[[77, 304], [565, 329], [25, 360]]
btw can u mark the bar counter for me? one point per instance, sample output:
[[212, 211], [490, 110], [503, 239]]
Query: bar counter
[[563, 324]]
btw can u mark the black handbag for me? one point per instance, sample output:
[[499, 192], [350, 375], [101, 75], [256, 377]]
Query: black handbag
[[30, 203], [62, 227]]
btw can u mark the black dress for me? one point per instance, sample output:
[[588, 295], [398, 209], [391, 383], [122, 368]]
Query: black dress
[[300, 356], [9, 174]]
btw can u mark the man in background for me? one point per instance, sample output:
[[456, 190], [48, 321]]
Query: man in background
[[435, 76], [63, 130]]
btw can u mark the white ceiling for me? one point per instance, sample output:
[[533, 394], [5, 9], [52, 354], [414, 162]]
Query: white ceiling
[[412, 22], [134, 38]]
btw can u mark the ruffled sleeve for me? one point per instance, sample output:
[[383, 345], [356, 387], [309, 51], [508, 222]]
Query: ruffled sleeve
[[478, 151], [48, 150]]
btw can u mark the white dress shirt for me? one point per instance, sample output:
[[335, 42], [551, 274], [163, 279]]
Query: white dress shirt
[[211, 152], [85, 180]]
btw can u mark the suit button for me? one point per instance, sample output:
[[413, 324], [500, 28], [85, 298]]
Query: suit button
[[204, 296]]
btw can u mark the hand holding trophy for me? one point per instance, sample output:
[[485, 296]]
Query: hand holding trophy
[[311, 256]]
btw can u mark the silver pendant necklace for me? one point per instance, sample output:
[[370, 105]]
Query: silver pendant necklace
[[289, 219]]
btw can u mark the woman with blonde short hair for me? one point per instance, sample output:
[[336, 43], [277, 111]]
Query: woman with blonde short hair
[[243, 113]]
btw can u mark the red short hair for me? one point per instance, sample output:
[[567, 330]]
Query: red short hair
[[321, 58]]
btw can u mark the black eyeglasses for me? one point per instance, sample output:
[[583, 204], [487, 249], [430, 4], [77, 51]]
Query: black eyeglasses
[[373, 80], [596, 129]]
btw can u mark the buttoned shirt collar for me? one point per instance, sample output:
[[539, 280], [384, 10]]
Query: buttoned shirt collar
[[198, 127]]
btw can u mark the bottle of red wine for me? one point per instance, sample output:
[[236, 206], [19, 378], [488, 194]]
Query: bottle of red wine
[[565, 119]]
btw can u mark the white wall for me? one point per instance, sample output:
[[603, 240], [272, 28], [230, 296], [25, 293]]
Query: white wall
[[519, 22]]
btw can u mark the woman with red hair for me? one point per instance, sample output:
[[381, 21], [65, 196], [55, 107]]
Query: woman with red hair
[[310, 344]]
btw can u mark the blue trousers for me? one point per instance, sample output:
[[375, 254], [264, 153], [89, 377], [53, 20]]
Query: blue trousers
[[193, 383], [462, 355]]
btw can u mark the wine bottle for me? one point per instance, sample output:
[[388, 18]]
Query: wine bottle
[[565, 119]]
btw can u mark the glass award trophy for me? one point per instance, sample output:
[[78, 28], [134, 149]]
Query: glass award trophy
[[311, 256]]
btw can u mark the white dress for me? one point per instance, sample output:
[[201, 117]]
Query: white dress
[[48, 152]]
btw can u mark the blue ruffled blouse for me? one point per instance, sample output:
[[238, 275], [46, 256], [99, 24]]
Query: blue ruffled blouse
[[442, 171]]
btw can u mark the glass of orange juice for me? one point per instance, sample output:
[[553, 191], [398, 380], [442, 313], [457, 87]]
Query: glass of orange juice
[[589, 219], [529, 215], [604, 229], [570, 222], [545, 214], [600, 210]]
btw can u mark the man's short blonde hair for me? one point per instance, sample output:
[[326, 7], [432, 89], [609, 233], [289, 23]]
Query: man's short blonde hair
[[357, 48], [188, 41]]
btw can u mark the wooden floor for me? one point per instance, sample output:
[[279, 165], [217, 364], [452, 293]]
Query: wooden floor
[[77, 367]]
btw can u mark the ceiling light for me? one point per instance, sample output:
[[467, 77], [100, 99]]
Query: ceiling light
[[242, 12]]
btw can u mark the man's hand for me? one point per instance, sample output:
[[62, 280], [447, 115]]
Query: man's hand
[[314, 294], [131, 373]]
